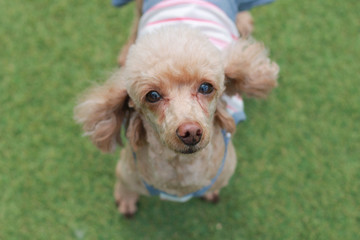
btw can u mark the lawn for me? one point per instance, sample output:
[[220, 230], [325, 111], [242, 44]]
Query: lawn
[[298, 172]]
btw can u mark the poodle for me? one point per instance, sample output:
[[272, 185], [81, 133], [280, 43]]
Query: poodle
[[171, 98]]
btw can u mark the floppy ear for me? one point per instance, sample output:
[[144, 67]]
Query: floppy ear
[[136, 132], [223, 118], [102, 111], [248, 69]]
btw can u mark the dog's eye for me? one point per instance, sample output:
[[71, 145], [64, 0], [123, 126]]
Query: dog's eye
[[206, 88], [153, 96]]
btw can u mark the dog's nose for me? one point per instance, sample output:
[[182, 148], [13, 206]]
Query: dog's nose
[[189, 133]]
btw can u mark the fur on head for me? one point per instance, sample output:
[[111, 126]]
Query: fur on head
[[172, 82]]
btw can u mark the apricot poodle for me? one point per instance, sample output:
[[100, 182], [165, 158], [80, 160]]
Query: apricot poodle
[[171, 99]]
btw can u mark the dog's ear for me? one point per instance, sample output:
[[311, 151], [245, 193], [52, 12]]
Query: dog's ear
[[223, 118], [248, 70], [102, 110], [136, 132]]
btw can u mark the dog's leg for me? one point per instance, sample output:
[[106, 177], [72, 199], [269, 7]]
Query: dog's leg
[[212, 197], [125, 49], [125, 194], [133, 35], [125, 200], [244, 24]]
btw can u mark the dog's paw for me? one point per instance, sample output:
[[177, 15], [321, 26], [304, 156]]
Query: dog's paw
[[212, 197], [126, 206], [244, 24]]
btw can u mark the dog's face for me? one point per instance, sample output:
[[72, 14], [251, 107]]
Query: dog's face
[[174, 78], [180, 108], [175, 84]]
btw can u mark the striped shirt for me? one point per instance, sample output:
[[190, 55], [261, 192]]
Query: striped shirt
[[230, 7], [205, 16]]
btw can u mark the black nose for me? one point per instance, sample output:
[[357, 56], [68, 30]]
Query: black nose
[[189, 133]]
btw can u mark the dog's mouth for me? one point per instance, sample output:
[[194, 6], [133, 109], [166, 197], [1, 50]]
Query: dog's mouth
[[179, 147], [189, 140], [189, 150], [185, 149]]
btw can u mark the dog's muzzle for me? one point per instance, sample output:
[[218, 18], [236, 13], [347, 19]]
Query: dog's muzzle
[[189, 133]]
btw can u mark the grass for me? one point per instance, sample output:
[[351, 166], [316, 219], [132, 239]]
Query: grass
[[298, 173]]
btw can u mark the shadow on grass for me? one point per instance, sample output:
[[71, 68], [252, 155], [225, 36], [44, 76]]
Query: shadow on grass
[[195, 219]]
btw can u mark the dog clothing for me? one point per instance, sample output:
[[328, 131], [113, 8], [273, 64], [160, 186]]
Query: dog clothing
[[230, 7], [214, 18]]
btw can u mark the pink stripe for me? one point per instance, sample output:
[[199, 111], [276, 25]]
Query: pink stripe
[[167, 3], [184, 19], [231, 107], [219, 42]]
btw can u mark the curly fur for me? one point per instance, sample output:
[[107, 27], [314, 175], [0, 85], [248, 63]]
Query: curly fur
[[158, 61], [249, 70]]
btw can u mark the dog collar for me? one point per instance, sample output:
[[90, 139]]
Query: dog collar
[[199, 193]]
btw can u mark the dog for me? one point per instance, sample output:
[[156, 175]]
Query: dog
[[170, 98]]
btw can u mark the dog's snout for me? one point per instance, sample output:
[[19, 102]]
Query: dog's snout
[[189, 133]]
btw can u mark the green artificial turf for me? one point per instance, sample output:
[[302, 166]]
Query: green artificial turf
[[298, 173]]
